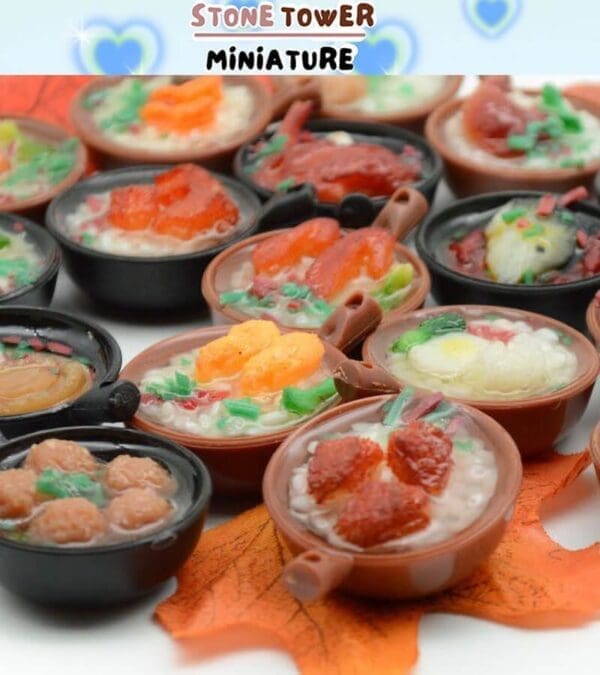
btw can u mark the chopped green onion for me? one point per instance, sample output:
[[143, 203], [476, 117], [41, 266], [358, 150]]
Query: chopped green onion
[[285, 185], [528, 277], [232, 297], [242, 407], [394, 411], [61, 485], [511, 215], [306, 401]]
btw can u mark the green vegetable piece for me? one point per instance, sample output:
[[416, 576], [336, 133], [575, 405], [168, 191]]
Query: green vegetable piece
[[463, 446], [566, 216], [285, 185], [21, 350], [88, 239], [410, 339], [511, 215], [438, 325], [394, 410], [291, 290], [535, 230], [61, 485], [306, 401], [523, 142], [242, 407], [441, 413], [572, 163], [551, 96], [528, 277], [93, 99], [4, 241], [399, 277], [233, 297], [320, 306], [9, 132]]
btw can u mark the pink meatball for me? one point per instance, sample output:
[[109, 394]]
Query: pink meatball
[[137, 508], [62, 455], [68, 521], [125, 472], [17, 493]]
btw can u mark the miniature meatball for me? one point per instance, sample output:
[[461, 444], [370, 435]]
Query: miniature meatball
[[125, 472], [137, 508], [17, 493], [68, 521], [62, 455]]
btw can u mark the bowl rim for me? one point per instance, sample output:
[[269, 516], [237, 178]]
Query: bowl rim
[[95, 138], [592, 320], [412, 301], [434, 133], [594, 445], [53, 255], [77, 170], [411, 115], [191, 514], [433, 220], [209, 443], [586, 379], [379, 130], [226, 181], [295, 531]]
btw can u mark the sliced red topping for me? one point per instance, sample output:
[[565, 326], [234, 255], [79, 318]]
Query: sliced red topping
[[94, 203], [59, 348], [262, 286], [546, 205], [575, 195], [488, 332], [470, 252], [424, 406], [582, 238]]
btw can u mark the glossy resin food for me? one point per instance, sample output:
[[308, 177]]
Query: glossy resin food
[[417, 477], [62, 495], [182, 210], [254, 381], [21, 260]]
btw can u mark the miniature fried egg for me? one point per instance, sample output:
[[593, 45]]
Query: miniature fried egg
[[448, 355]]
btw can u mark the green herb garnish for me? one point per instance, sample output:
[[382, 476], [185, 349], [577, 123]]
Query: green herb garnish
[[61, 485], [306, 401], [450, 322]]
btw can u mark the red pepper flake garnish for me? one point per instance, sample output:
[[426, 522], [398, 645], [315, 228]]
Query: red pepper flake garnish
[[188, 403], [581, 238], [37, 344], [575, 195], [294, 305], [59, 348], [546, 205], [94, 203], [12, 339], [262, 286], [523, 223], [205, 397]]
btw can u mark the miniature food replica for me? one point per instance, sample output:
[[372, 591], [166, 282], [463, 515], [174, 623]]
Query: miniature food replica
[[503, 126], [526, 241], [65, 496], [37, 376], [417, 477], [21, 261], [161, 114], [299, 276], [488, 358], [184, 210], [381, 94], [249, 382], [335, 164], [29, 167]]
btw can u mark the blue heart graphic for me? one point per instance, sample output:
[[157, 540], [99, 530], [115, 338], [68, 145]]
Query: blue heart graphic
[[491, 12], [375, 58], [116, 57]]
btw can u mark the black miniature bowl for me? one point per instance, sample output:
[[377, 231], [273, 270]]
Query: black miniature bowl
[[134, 282], [117, 573], [108, 400], [566, 302], [355, 210], [39, 292]]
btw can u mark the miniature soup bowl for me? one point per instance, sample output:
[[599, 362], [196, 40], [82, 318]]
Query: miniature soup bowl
[[39, 160], [78, 543], [58, 370], [133, 140], [532, 374], [401, 560], [141, 269], [467, 175], [230, 430], [29, 262], [476, 241], [288, 292]]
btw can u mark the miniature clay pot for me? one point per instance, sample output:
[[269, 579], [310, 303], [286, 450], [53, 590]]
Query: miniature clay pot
[[34, 207], [405, 209], [592, 319], [319, 567], [566, 302], [92, 576], [236, 464], [111, 154], [536, 423], [468, 177]]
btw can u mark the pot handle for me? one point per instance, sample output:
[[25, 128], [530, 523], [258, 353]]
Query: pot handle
[[314, 573], [111, 402], [404, 210], [287, 208], [359, 379], [294, 89], [352, 322]]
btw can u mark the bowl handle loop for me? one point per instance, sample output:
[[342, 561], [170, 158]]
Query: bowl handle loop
[[404, 210], [352, 322], [313, 574], [113, 402], [290, 89], [358, 379]]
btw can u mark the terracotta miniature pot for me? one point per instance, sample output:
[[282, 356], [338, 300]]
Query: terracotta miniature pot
[[536, 423], [468, 177], [592, 319], [405, 209], [319, 567], [34, 207], [411, 118], [111, 154], [236, 464]]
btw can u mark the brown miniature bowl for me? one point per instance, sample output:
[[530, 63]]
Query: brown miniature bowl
[[467, 177], [34, 207], [236, 464], [320, 567], [405, 209], [412, 118], [536, 423], [592, 319], [110, 154]]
